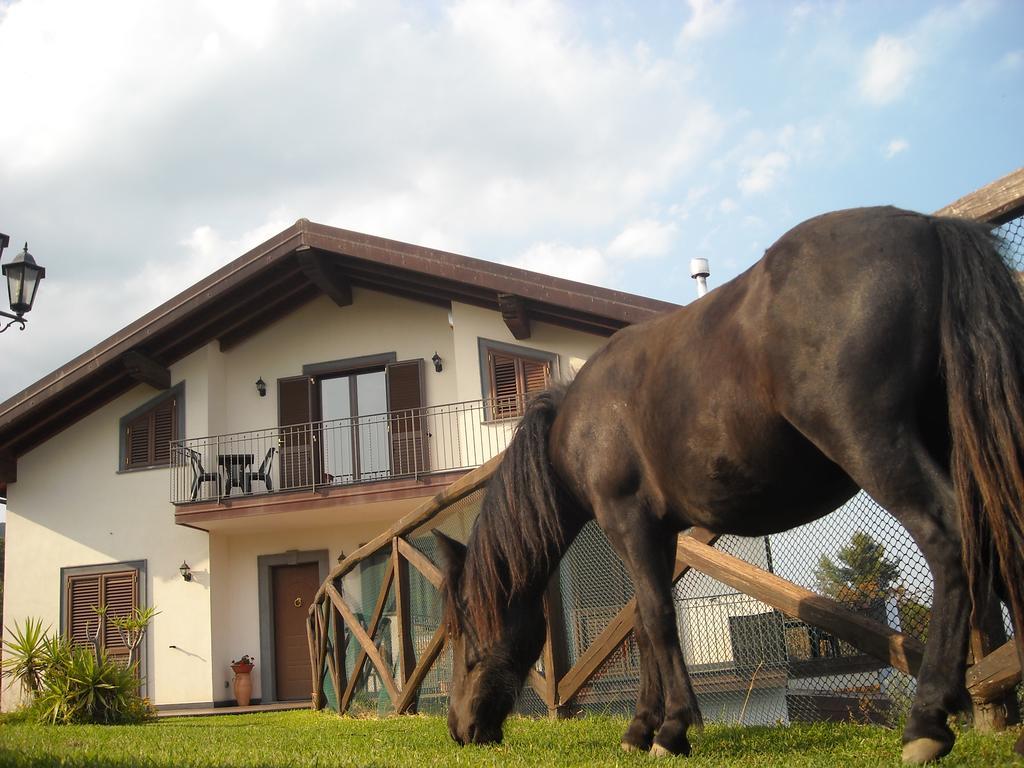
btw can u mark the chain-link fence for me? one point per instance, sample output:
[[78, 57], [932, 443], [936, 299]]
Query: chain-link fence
[[749, 662]]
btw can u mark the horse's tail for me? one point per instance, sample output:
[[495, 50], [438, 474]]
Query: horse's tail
[[982, 337], [523, 529]]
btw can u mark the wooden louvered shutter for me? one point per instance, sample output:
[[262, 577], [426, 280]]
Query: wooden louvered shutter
[[83, 594], [120, 596], [118, 592], [536, 376], [504, 385], [137, 442], [296, 440], [407, 421], [513, 380], [165, 429], [148, 437]]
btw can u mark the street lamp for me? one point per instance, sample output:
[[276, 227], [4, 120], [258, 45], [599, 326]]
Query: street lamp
[[23, 276]]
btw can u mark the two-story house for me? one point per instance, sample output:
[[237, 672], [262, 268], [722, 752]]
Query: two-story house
[[214, 458]]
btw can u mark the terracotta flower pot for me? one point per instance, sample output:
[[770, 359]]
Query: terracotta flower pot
[[243, 683]]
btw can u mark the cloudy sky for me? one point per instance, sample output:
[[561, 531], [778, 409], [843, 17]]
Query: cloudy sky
[[143, 144]]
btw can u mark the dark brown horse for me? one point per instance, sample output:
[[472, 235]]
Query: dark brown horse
[[871, 348]]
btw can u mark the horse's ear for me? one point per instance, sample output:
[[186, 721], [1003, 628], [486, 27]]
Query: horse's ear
[[454, 555]]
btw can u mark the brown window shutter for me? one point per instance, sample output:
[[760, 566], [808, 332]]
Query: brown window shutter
[[165, 428], [120, 593], [406, 422], [83, 595], [137, 451], [405, 385], [505, 387], [148, 437], [537, 376]]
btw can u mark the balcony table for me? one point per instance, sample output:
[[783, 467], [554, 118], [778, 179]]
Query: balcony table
[[236, 465]]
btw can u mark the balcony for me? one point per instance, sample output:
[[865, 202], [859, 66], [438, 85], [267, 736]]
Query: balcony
[[414, 445]]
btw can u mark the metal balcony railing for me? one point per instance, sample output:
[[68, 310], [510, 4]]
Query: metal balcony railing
[[314, 455]]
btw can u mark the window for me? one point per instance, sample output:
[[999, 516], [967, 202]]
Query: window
[[511, 375], [117, 588], [147, 432]]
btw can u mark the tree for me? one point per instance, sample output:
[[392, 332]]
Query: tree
[[862, 570]]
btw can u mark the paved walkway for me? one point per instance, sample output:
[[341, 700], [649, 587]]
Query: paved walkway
[[279, 706]]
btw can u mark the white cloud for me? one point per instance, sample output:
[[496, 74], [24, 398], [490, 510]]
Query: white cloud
[[888, 68], [708, 18], [1012, 60], [764, 172], [727, 205], [586, 265], [482, 129], [643, 239], [895, 147]]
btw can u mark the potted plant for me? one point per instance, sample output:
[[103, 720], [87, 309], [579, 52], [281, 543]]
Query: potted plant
[[243, 679]]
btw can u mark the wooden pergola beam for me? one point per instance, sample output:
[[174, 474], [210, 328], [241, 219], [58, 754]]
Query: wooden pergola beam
[[366, 642], [900, 651], [146, 370], [322, 272], [515, 314], [995, 203]]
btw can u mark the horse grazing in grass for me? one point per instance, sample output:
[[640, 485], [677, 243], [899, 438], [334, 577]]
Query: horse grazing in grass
[[872, 348]]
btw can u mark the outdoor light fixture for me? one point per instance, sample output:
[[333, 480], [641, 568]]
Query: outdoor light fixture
[[261, 386], [436, 360], [186, 572], [23, 276]]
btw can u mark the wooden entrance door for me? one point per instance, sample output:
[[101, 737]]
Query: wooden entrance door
[[294, 587]]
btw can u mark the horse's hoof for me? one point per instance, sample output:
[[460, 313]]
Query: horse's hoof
[[921, 751], [659, 751], [627, 747]]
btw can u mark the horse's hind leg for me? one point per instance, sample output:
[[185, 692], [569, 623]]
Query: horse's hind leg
[[649, 553], [902, 477]]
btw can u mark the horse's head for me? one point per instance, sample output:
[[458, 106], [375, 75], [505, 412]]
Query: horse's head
[[490, 659]]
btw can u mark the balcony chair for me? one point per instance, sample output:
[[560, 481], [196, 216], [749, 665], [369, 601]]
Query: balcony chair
[[199, 473], [263, 473]]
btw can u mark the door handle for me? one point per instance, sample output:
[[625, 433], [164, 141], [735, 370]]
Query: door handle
[[298, 602]]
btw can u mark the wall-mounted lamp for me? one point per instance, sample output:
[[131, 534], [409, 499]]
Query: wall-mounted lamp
[[436, 360], [185, 571], [261, 386]]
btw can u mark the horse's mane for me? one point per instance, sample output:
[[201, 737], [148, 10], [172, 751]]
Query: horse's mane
[[520, 534]]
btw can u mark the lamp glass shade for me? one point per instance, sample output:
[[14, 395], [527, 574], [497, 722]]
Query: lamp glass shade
[[23, 276], [186, 572]]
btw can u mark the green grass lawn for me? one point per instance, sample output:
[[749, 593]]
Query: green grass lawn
[[323, 739]]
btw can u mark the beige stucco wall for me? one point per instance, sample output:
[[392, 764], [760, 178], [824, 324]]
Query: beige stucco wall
[[71, 507], [474, 323], [236, 620], [321, 331]]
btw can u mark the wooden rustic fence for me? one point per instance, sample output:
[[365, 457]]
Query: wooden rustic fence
[[402, 645]]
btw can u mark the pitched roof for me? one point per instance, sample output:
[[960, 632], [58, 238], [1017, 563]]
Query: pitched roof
[[276, 277]]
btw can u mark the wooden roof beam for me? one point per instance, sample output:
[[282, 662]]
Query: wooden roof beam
[[145, 370], [8, 467], [515, 314], [322, 271]]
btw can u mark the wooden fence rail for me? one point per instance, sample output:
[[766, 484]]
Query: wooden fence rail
[[332, 624]]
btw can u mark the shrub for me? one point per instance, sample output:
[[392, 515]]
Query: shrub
[[72, 684], [87, 687], [26, 654]]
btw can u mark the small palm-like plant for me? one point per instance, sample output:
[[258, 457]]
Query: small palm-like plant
[[91, 688], [27, 654]]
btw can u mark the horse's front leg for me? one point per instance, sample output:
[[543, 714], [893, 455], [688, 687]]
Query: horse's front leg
[[649, 553]]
